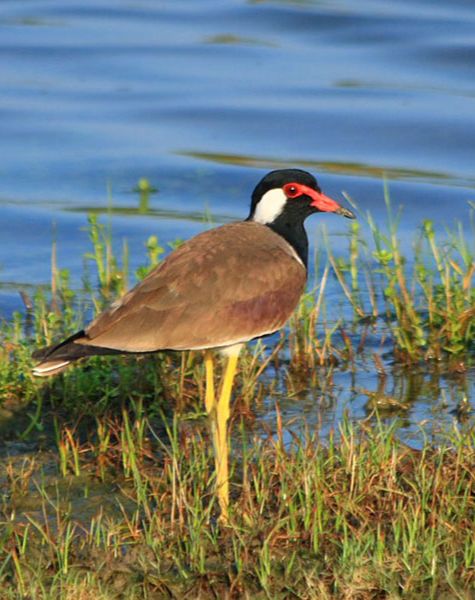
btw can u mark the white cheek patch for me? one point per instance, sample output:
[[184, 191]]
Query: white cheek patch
[[270, 206]]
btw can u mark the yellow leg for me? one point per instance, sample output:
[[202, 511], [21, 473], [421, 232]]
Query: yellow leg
[[218, 413], [222, 475]]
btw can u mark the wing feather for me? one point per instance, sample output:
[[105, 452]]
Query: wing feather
[[229, 284]]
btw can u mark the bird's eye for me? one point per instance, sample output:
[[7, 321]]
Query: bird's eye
[[291, 190]]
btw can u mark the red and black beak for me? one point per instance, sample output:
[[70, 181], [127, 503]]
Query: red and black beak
[[325, 204]]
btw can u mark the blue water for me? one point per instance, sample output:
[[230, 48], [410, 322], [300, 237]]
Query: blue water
[[203, 97]]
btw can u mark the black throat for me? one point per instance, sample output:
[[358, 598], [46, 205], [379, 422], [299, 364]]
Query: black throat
[[293, 231]]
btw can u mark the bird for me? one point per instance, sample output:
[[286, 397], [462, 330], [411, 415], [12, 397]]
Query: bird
[[220, 289]]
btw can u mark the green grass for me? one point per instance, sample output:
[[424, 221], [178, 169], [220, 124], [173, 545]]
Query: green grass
[[117, 500], [360, 517], [428, 302]]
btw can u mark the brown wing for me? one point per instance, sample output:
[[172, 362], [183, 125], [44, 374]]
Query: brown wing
[[224, 286]]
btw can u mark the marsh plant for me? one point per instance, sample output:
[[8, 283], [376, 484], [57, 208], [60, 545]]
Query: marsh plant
[[117, 499]]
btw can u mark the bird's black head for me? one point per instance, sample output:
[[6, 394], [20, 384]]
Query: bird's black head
[[293, 193], [283, 199]]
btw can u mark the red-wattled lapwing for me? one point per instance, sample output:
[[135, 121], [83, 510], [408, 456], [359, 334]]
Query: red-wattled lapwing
[[217, 291]]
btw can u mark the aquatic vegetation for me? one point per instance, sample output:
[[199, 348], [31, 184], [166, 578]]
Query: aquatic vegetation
[[132, 516], [428, 301], [117, 499]]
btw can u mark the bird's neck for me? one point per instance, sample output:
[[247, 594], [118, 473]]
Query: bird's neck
[[293, 231]]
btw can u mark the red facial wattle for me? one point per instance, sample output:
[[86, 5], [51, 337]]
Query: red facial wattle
[[319, 201]]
